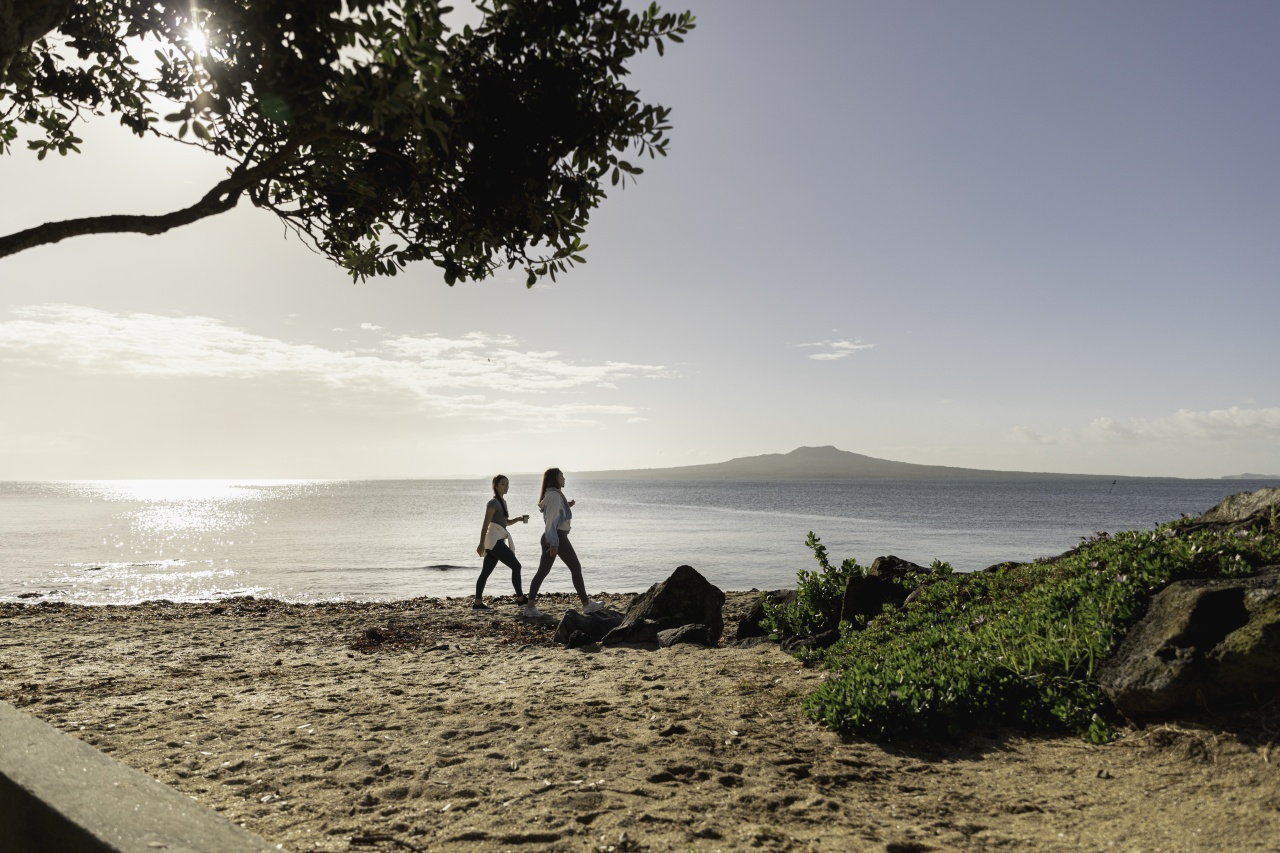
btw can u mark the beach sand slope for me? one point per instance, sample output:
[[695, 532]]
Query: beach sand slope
[[423, 725]]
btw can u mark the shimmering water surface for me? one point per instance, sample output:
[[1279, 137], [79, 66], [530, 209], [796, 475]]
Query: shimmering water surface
[[123, 541]]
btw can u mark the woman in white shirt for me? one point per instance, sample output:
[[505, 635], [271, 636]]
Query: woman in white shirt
[[556, 513]]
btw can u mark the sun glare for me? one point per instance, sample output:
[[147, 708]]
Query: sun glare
[[197, 40]]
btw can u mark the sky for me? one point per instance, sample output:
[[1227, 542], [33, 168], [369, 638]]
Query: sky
[[1010, 235]]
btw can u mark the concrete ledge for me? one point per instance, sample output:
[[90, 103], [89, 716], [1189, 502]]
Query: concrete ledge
[[58, 794]]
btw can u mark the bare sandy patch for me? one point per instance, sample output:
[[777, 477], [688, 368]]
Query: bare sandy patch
[[423, 725]]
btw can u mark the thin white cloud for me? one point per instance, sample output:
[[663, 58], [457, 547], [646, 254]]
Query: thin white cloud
[[1030, 436], [1231, 424], [1213, 425], [450, 376], [370, 327], [836, 349]]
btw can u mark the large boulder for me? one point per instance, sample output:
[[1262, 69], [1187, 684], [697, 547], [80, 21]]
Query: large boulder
[[581, 629], [1243, 506], [749, 626], [884, 584], [685, 598], [1241, 511], [1207, 642]]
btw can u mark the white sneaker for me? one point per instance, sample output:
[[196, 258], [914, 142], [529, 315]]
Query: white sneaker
[[531, 612], [592, 607]]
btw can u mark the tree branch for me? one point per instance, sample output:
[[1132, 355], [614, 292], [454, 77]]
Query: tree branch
[[224, 196], [19, 27]]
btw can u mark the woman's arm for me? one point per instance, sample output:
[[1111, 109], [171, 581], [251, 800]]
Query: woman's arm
[[552, 511], [484, 528]]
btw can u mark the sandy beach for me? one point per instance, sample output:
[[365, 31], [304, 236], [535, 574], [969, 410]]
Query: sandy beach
[[423, 725]]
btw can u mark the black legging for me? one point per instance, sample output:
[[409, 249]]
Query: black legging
[[568, 556], [498, 552]]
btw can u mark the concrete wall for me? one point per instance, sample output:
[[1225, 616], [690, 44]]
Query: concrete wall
[[60, 795]]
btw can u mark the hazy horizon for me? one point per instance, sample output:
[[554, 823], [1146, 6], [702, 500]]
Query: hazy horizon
[[991, 235], [534, 475]]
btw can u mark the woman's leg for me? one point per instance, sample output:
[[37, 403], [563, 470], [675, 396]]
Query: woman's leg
[[544, 568], [486, 569], [508, 558], [570, 558]]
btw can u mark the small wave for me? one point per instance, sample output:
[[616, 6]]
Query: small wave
[[444, 567], [149, 564]]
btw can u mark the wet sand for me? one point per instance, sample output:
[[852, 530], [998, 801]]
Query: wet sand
[[423, 725]]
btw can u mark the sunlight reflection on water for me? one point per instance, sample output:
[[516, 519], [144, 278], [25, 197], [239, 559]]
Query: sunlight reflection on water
[[116, 542], [165, 538]]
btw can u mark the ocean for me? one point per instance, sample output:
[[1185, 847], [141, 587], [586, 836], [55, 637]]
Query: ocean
[[126, 541]]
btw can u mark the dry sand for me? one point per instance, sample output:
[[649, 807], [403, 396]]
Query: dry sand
[[465, 730]]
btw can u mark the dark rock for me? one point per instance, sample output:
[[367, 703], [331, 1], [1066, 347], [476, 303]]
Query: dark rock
[[883, 584], [752, 642], [1201, 642], [580, 629], [1244, 505], [685, 598], [749, 626], [1241, 511], [697, 634], [578, 639], [821, 640]]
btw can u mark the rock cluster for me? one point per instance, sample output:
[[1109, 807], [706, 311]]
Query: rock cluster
[[685, 608], [1202, 642]]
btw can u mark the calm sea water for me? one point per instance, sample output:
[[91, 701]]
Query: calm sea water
[[117, 542]]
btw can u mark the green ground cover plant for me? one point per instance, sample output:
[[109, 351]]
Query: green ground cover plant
[[1014, 646]]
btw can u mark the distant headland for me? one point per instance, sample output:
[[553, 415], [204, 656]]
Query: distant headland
[[830, 463]]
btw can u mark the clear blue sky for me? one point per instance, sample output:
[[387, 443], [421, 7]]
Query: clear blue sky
[[1014, 235]]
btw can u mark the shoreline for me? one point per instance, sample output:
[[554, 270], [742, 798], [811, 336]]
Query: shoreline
[[470, 730]]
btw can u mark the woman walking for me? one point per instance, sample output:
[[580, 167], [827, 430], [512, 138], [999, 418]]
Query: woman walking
[[556, 513], [496, 542]]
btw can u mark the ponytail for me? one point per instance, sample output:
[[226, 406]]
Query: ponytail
[[499, 497]]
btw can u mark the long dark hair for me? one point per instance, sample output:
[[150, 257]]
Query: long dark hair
[[549, 480], [500, 498]]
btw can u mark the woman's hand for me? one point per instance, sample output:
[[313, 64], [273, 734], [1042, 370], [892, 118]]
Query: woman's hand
[[525, 519], [480, 550], [571, 503]]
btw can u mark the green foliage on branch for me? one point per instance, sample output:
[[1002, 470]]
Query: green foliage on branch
[[370, 129], [1018, 645]]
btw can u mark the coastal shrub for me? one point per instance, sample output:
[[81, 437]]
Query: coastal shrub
[[1017, 645], [819, 596]]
